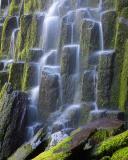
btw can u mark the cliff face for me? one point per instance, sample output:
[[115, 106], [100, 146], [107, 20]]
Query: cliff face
[[71, 69]]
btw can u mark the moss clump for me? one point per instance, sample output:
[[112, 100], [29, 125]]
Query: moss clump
[[32, 5], [27, 37], [29, 76], [16, 75], [14, 7], [58, 152], [9, 24], [120, 4], [101, 135], [111, 145], [121, 154]]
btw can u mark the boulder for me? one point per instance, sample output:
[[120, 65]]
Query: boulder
[[78, 144], [13, 106]]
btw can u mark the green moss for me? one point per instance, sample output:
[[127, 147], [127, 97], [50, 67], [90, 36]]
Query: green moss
[[58, 152], [16, 75], [121, 154], [101, 135], [9, 24], [29, 74], [32, 5], [27, 37], [14, 8], [110, 145]]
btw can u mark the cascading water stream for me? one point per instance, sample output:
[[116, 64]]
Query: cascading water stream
[[49, 43], [12, 42]]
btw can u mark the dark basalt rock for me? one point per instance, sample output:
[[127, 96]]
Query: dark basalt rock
[[89, 40], [89, 86], [105, 70], [3, 78], [30, 149], [35, 54], [109, 28], [13, 105], [49, 93]]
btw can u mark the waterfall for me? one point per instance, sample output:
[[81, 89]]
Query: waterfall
[[62, 58], [12, 42]]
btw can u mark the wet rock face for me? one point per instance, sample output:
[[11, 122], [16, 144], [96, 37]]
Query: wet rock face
[[89, 86], [68, 70], [35, 54], [29, 149], [109, 28], [105, 69], [16, 75], [9, 24], [48, 94], [89, 39], [13, 105], [3, 78]]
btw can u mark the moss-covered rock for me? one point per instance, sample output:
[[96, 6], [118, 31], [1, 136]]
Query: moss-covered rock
[[89, 41], [112, 144], [16, 75], [14, 8], [30, 76], [121, 38], [30, 148], [121, 154], [80, 141], [3, 78], [13, 106], [28, 36], [124, 81], [9, 24], [31, 6]]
